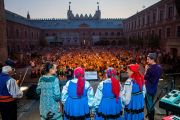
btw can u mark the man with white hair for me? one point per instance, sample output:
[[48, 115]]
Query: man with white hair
[[9, 92]]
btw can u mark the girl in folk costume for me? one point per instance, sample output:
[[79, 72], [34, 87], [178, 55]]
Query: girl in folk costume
[[133, 94], [107, 102], [49, 91], [77, 97]]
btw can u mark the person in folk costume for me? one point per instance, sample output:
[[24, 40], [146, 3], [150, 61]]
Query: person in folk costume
[[107, 101], [133, 94], [77, 97], [49, 90], [9, 92]]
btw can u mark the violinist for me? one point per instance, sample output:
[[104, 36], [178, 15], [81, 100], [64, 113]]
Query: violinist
[[9, 92]]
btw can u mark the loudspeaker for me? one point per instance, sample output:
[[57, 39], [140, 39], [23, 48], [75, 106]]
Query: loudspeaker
[[31, 92], [177, 4]]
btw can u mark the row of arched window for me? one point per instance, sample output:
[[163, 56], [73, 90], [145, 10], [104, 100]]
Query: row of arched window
[[95, 33], [22, 34]]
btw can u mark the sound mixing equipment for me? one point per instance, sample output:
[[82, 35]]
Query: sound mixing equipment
[[171, 102]]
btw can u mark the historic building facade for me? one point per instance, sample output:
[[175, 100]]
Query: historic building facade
[[21, 34], [3, 42], [25, 34], [81, 29], [159, 23]]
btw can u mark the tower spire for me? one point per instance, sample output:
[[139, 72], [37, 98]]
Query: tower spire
[[28, 15], [98, 5], [69, 5]]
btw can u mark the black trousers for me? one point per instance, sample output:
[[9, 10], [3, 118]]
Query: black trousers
[[8, 110]]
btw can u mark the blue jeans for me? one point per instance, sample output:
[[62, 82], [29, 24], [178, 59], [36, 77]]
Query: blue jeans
[[149, 100]]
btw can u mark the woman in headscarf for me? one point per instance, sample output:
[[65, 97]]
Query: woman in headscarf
[[49, 91], [107, 101], [77, 97], [133, 94]]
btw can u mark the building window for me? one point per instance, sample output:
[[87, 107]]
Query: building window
[[112, 33], [152, 32], [143, 21], [178, 31], [18, 48], [138, 34], [170, 12], [121, 33], [132, 25], [168, 32], [148, 20], [160, 33], [142, 34], [147, 33], [37, 34], [25, 34], [32, 34], [161, 15], [139, 22], [7, 32], [154, 17], [75, 38], [54, 34], [17, 33], [68, 39]]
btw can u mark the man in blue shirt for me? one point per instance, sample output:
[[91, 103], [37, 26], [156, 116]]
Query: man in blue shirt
[[152, 75]]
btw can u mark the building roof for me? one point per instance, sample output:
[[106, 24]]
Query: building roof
[[13, 17], [80, 23], [65, 23]]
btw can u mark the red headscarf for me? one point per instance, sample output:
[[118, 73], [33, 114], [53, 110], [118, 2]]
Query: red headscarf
[[79, 73], [115, 83], [136, 76]]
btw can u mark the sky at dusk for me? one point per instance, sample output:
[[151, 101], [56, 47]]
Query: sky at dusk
[[58, 8]]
